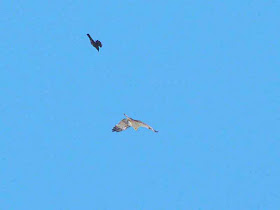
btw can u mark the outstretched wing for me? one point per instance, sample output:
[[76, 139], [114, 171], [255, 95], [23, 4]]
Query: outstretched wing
[[98, 43], [91, 40], [137, 123], [121, 126]]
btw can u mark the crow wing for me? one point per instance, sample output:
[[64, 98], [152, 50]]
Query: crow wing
[[98, 43], [91, 40]]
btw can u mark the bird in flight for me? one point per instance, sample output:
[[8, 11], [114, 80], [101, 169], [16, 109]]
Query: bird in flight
[[129, 122], [96, 43]]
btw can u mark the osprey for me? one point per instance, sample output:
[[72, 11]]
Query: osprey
[[96, 43], [129, 122]]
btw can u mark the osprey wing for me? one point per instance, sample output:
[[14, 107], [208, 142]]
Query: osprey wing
[[141, 124], [121, 126]]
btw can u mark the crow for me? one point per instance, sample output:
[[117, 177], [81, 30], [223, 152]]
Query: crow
[[96, 43]]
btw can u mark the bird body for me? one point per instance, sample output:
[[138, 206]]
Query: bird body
[[129, 122], [96, 43]]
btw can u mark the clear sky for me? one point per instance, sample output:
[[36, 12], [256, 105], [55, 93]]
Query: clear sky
[[206, 74]]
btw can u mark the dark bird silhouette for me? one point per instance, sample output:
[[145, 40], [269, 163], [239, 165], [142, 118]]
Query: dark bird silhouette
[[96, 43]]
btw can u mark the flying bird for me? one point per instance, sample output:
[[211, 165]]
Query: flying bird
[[96, 43], [129, 122]]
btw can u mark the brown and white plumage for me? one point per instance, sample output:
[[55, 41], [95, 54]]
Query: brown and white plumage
[[96, 43], [121, 126], [129, 122]]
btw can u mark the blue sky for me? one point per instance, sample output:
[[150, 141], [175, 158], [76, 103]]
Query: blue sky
[[203, 73]]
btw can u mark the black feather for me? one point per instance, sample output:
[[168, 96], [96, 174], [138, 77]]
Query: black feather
[[96, 43]]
